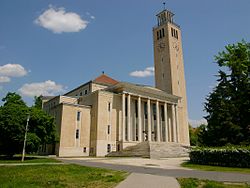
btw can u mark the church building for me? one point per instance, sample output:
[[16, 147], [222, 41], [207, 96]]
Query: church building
[[107, 117]]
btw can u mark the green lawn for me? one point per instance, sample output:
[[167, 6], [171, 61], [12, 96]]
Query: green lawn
[[193, 183], [215, 168], [58, 176], [28, 159]]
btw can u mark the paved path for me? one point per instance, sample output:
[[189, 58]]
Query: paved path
[[135, 180], [156, 170]]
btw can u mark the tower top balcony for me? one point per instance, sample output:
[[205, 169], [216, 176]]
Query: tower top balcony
[[164, 17]]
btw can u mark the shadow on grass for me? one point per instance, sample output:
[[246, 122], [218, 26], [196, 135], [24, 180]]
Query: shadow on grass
[[15, 158], [27, 159]]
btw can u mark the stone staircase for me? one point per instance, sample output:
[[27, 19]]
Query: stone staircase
[[167, 150], [153, 150], [138, 150]]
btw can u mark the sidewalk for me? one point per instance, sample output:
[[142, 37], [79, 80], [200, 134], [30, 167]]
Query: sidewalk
[[162, 167], [136, 180]]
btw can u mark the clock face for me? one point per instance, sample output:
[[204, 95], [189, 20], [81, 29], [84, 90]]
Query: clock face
[[161, 46]]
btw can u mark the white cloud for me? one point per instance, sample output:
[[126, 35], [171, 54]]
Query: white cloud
[[149, 71], [47, 88], [58, 21], [197, 123], [11, 70], [4, 79], [92, 17]]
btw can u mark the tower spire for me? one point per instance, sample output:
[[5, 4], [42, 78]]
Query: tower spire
[[164, 5]]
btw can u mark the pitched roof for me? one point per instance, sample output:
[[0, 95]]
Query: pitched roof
[[104, 79]]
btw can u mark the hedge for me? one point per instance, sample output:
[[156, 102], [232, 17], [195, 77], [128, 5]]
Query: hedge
[[226, 156]]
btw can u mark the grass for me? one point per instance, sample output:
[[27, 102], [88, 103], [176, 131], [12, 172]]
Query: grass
[[215, 168], [28, 159], [59, 176], [192, 183]]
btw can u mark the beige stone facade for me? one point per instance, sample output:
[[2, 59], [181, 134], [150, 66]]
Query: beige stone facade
[[169, 67], [104, 115]]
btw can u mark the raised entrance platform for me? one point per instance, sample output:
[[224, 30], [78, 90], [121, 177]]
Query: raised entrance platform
[[153, 150]]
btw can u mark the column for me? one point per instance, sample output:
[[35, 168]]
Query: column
[[149, 120], [177, 124], [173, 123], [128, 118], [158, 137], [170, 130], [139, 120], [166, 121], [123, 118]]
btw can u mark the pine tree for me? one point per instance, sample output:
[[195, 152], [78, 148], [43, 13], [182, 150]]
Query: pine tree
[[228, 105]]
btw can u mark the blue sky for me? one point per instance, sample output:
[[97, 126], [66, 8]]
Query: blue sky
[[38, 53]]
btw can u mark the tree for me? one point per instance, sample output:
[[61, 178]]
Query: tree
[[228, 105], [43, 127], [13, 116], [38, 102], [194, 135]]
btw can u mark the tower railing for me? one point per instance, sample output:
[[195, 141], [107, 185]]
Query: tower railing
[[173, 23]]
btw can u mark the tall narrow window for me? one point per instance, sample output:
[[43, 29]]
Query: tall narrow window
[[77, 133], [108, 148], [162, 113], [108, 129], [78, 116], [163, 32], [154, 111], [158, 35], [145, 110], [109, 106]]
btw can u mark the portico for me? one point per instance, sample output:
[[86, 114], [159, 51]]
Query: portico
[[148, 123], [148, 114]]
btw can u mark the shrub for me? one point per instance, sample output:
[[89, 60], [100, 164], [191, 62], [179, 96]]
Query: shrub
[[225, 156]]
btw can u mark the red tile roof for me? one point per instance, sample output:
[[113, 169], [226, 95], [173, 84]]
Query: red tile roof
[[104, 79]]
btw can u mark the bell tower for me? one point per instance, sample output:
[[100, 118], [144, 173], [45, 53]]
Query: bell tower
[[169, 67]]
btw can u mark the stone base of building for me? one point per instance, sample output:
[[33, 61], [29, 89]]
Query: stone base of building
[[153, 150]]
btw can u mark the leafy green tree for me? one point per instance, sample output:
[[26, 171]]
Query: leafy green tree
[[43, 126], [228, 105], [13, 117], [38, 102], [195, 134]]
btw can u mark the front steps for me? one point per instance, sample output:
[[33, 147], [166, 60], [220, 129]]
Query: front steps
[[167, 150], [138, 150], [153, 150]]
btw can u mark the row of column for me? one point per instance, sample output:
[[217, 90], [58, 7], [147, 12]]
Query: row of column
[[171, 125]]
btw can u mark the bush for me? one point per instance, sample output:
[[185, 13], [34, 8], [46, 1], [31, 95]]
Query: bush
[[225, 156]]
